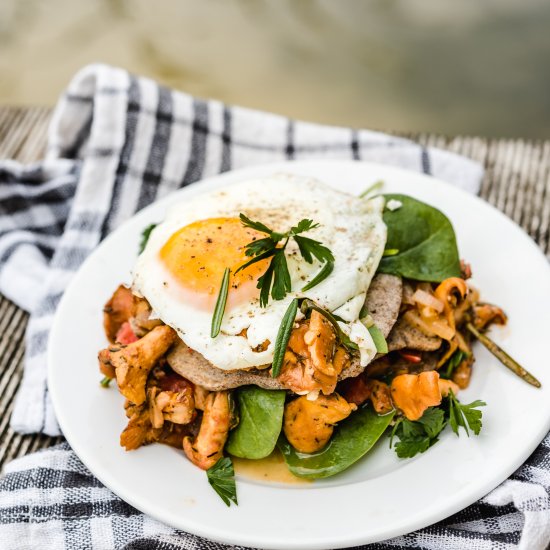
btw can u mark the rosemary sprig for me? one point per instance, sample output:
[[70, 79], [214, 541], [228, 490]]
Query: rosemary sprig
[[220, 305], [105, 381], [276, 279], [283, 336], [502, 356]]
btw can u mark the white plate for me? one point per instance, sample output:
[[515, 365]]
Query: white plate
[[381, 496]]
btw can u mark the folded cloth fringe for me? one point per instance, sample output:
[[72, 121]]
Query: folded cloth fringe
[[117, 143]]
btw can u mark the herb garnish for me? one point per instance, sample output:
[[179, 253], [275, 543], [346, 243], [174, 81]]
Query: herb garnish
[[276, 279], [467, 416], [145, 234], [283, 336], [221, 477], [105, 381], [417, 437], [220, 305]]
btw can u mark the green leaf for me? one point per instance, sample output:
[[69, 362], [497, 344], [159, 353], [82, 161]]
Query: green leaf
[[425, 239], [390, 252], [418, 436], [263, 256], [283, 336], [407, 448], [310, 248], [323, 273], [264, 284], [221, 477], [378, 339], [282, 284], [352, 439], [255, 248], [261, 419], [146, 233], [465, 416], [303, 226], [433, 421], [219, 310], [258, 226]]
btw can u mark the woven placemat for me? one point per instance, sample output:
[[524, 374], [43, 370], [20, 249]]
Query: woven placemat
[[517, 181]]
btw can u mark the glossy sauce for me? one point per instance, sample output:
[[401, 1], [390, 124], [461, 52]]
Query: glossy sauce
[[271, 468]]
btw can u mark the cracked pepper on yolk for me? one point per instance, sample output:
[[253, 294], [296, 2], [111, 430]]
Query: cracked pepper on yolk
[[196, 256]]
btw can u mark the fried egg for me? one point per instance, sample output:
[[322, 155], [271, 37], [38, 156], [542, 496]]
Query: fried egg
[[181, 268]]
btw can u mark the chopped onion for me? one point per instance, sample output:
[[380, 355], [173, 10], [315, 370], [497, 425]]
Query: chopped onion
[[437, 327], [424, 298]]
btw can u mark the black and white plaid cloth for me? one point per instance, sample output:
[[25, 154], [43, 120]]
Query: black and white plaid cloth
[[116, 143]]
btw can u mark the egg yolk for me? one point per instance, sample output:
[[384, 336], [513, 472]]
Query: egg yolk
[[198, 254]]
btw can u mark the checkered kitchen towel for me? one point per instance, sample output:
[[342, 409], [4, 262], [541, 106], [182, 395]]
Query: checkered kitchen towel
[[117, 143]]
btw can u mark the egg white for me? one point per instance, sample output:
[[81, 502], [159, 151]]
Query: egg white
[[352, 228]]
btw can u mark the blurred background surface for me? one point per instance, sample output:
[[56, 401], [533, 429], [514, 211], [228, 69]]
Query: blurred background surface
[[465, 67]]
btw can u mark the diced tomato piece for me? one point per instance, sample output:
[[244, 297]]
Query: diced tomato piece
[[411, 357], [174, 382], [125, 334], [355, 390]]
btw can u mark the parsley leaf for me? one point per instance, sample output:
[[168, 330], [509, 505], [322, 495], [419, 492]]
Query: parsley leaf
[[258, 226], [418, 436], [407, 448], [310, 247], [466, 416], [145, 234], [221, 477], [433, 421]]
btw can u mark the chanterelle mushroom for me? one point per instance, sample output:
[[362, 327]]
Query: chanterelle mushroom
[[172, 399], [312, 360], [414, 393], [308, 425], [132, 363], [207, 448], [139, 430]]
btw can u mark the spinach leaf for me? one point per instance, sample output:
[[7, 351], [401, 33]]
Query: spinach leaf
[[352, 439], [261, 419], [425, 240]]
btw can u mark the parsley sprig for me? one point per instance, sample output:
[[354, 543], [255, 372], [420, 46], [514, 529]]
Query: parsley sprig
[[418, 436], [221, 477], [466, 416], [276, 279]]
